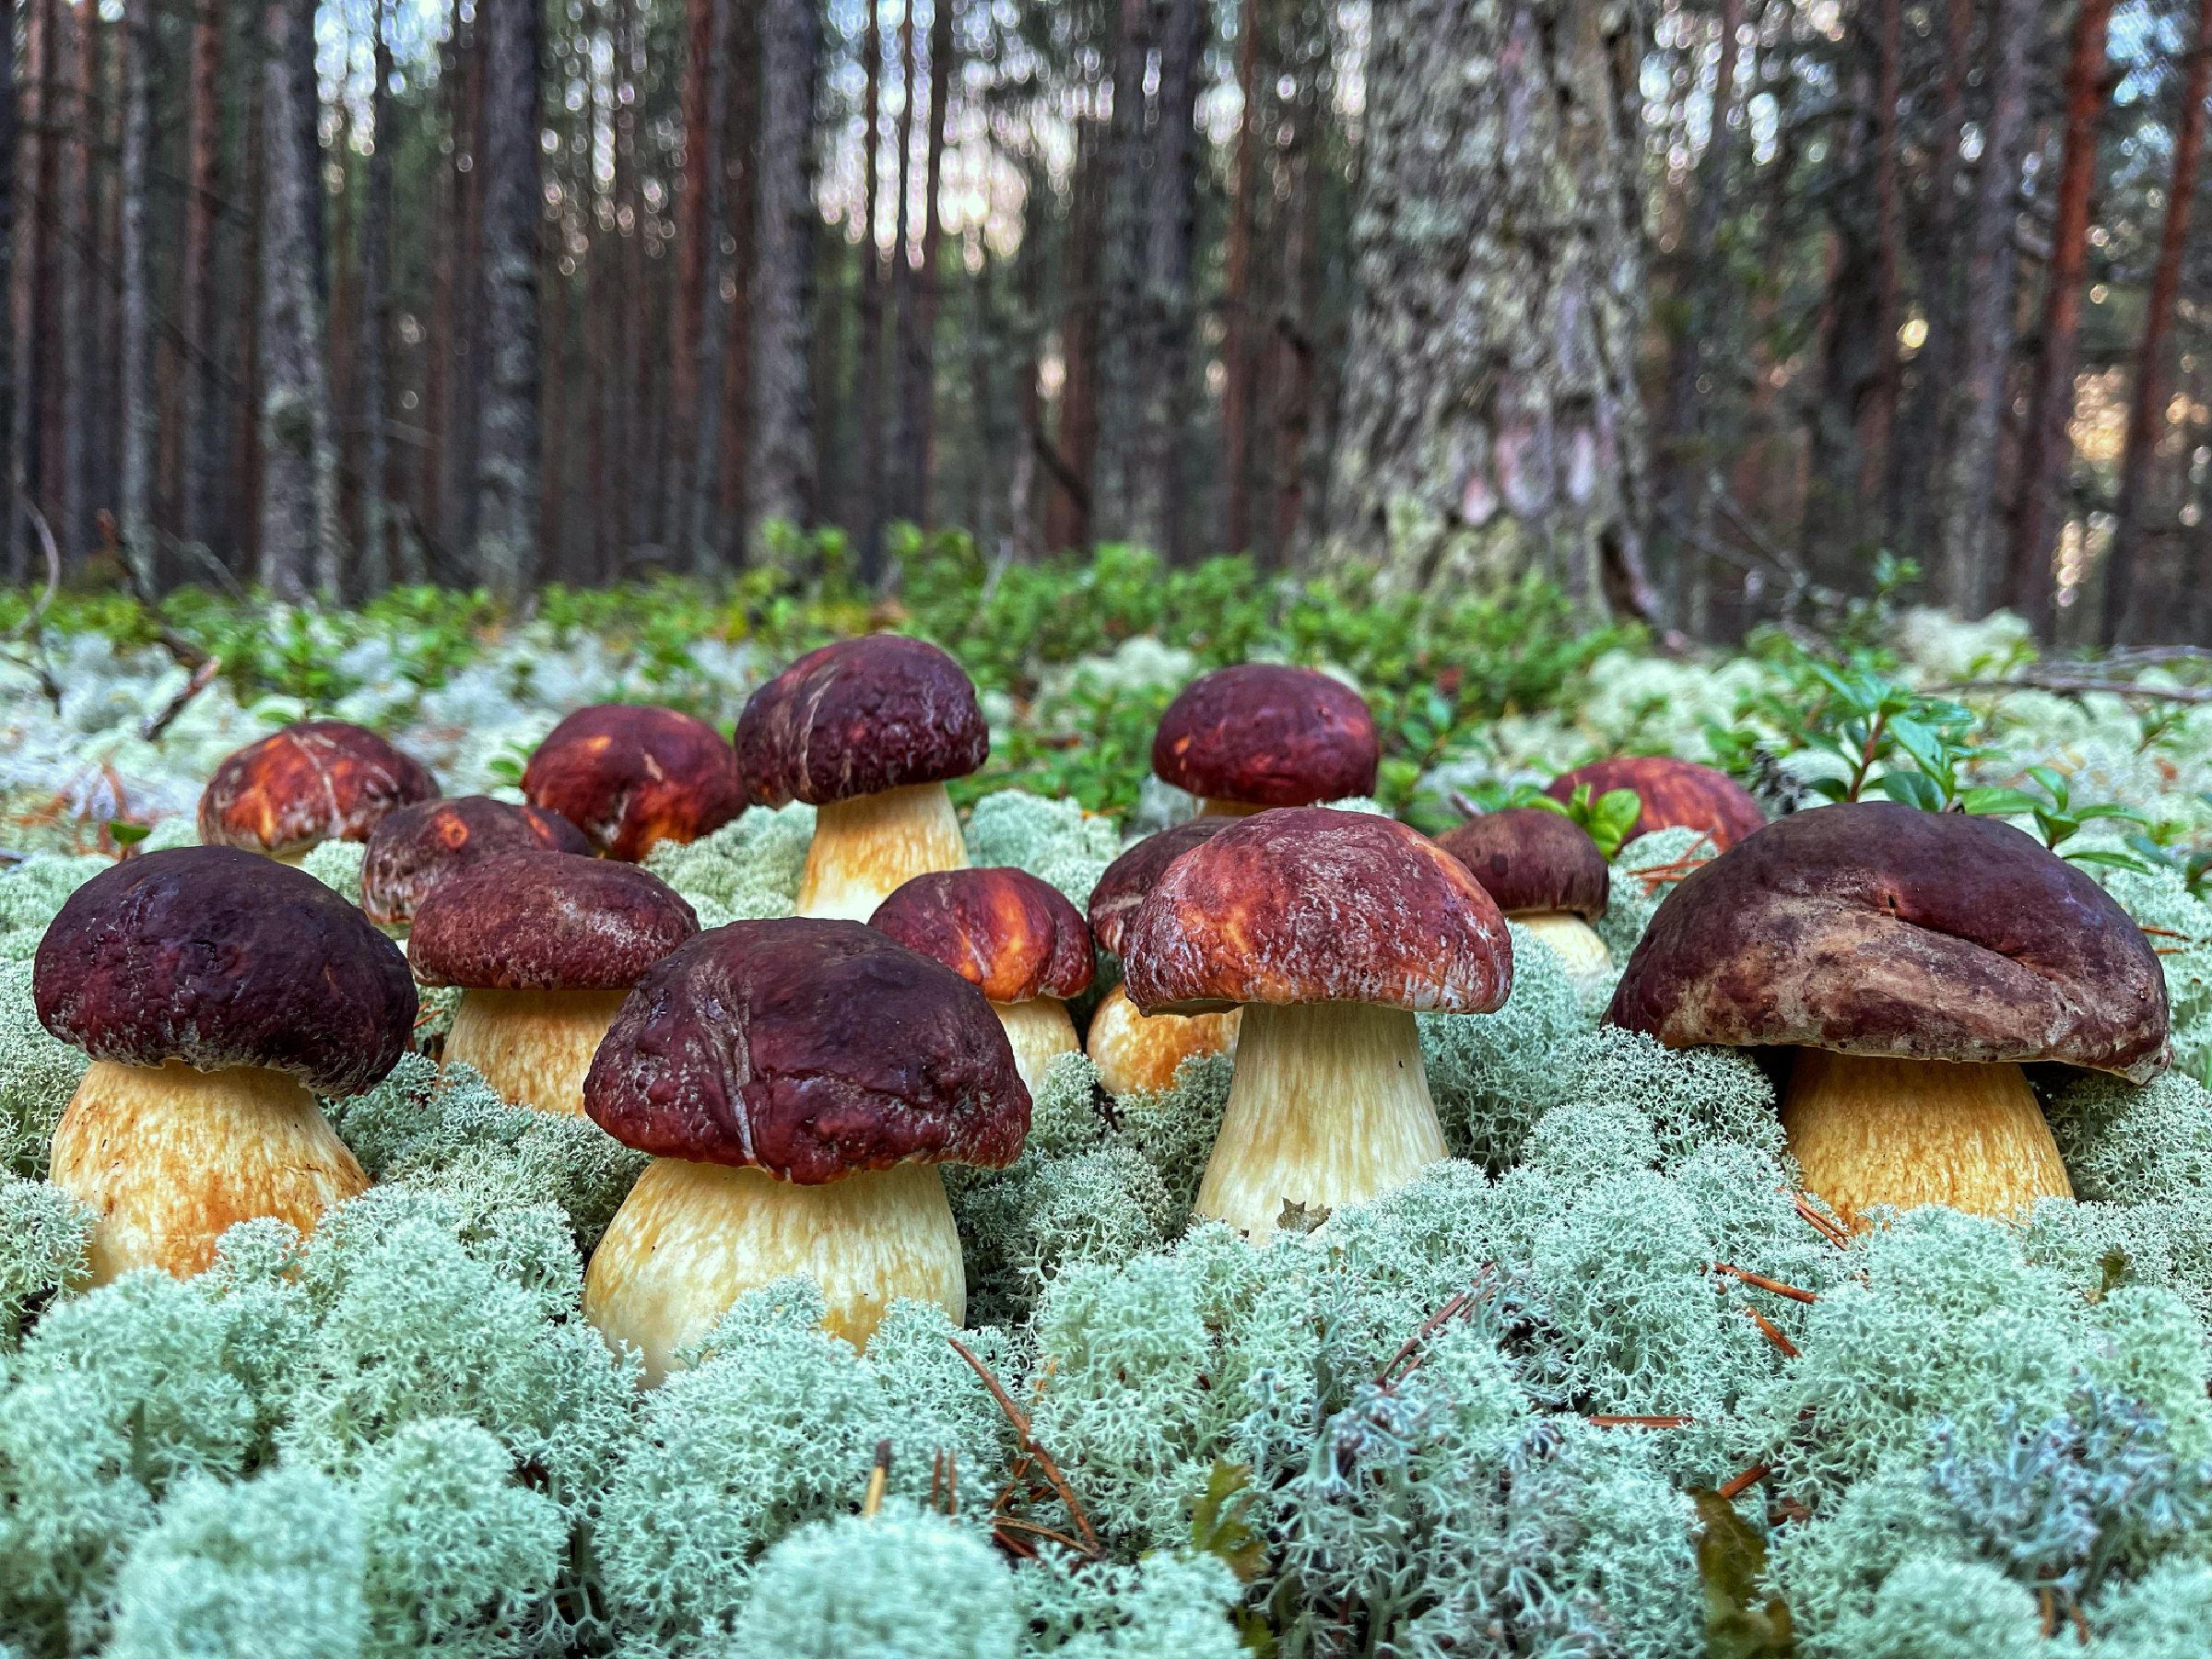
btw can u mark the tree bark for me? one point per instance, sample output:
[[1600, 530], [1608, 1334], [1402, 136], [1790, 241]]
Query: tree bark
[[781, 464], [200, 487], [899, 462], [1236, 301], [919, 368], [34, 293], [372, 351], [73, 109], [508, 431], [1880, 416], [1177, 25], [698, 233], [137, 495], [1119, 502], [867, 513], [11, 566], [738, 214], [715, 312], [1067, 520], [251, 461]]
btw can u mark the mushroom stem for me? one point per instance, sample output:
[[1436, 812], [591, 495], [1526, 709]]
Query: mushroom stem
[[170, 1157], [866, 849], [533, 1047], [1330, 1106], [1214, 806], [1575, 940], [1868, 1130], [692, 1238], [1036, 1030], [1139, 1054]]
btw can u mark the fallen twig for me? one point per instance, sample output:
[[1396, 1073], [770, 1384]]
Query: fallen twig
[[1738, 1485], [1766, 1329], [1458, 1307], [1028, 1444], [2076, 684], [1614, 1420], [202, 677], [879, 1475], [1765, 1283], [1820, 1223], [54, 568]]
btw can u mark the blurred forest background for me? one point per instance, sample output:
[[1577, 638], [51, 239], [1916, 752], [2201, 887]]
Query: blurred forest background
[[1698, 310]]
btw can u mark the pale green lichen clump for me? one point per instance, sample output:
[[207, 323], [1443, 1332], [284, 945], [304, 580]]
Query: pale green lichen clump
[[1056, 842], [747, 870]]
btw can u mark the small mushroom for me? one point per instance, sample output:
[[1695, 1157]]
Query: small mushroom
[[866, 731], [214, 989], [798, 1081], [1546, 873], [417, 847], [318, 780], [630, 776], [1262, 735], [1332, 929], [1135, 1053], [1016, 938], [547, 946], [1674, 795], [1911, 961]]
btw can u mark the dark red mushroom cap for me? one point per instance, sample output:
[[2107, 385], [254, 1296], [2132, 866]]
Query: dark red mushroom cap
[[1676, 795], [1307, 905], [546, 922], [809, 1049], [1528, 859], [420, 846], [631, 776], [1004, 931], [1136, 873], [1875, 928], [857, 718], [218, 958], [318, 780], [1269, 736]]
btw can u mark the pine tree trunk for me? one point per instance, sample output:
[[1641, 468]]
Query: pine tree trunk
[[509, 434], [696, 232], [1067, 520], [867, 511], [12, 566], [34, 285], [918, 371], [782, 462], [1236, 303], [137, 402], [1177, 25], [714, 313], [1119, 503], [899, 467], [74, 110], [371, 352], [737, 218], [249, 462], [201, 486]]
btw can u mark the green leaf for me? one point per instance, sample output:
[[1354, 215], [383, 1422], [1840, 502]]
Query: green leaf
[[2109, 810], [2003, 802], [2054, 783], [128, 835], [1220, 1525], [2112, 861], [1536, 797], [1731, 1562], [1912, 789], [1613, 818], [1916, 740], [1835, 789]]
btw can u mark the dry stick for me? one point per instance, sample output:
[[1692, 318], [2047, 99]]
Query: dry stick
[[1740, 1484], [1766, 1330], [1043, 1531], [2163, 932], [1021, 1430], [2079, 683], [1458, 1307], [202, 677], [1615, 1421], [1765, 1283], [877, 1476], [1820, 1223]]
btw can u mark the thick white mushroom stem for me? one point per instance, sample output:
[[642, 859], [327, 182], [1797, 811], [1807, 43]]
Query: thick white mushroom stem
[[692, 1238], [1036, 1030], [535, 1048], [866, 849], [1138, 1054], [1869, 1131], [170, 1157], [1329, 1106], [1575, 940]]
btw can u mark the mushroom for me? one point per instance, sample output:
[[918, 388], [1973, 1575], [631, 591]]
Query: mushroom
[[213, 989], [547, 946], [1264, 734], [1333, 929], [1911, 961], [1016, 938], [798, 1081], [631, 776], [1546, 873], [866, 731], [420, 846], [1674, 795], [318, 780], [1134, 1051]]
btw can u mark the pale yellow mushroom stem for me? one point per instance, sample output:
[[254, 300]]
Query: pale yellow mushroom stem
[[535, 1048], [866, 849]]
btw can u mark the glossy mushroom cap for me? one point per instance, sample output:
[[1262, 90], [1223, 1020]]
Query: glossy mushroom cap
[[1307, 905], [1269, 736], [1676, 795], [1130, 878], [1005, 932], [421, 846], [1528, 859], [630, 777], [1877, 929], [546, 922], [220, 958], [809, 1049], [858, 718], [318, 780]]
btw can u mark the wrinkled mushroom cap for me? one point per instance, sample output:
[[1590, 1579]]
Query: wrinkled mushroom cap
[[1004, 931], [1269, 736], [1129, 878], [1875, 928], [546, 922], [809, 1049], [857, 718], [1307, 905], [219, 957], [630, 776], [1528, 859], [417, 847], [1676, 795], [318, 780]]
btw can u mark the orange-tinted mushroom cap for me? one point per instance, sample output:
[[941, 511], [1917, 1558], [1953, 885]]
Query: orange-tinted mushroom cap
[[1676, 795], [420, 846], [630, 776], [1004, 931], [318, 780]]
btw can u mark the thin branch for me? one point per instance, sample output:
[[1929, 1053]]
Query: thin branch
[[1021, 1430], [1740, 1484], [1766, 1284], [2076, 684]]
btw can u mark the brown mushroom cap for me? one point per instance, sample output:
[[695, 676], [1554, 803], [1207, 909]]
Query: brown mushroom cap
[[1004, 931], [1269, 735], [417, 847], [857, 718], [546, 922], [1528, 859], [318, 780], [1307, 905], [1875, 928], [1136, 873], [630, 776], [809, 1049], [1676, 795], [220, 958]]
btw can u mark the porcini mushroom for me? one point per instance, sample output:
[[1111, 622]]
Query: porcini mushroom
[[1264, 734], [1544, 872], [631, 776], [417, 847], [317, 781], [1016, 938], [1674, 795], [1911, 961], [866, 731], [546, 945], [798, 1082], [213, 989], [1332, 929], [1134, 1051]]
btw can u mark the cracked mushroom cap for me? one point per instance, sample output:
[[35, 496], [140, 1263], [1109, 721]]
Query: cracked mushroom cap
[[1676, 795], [809, 1049], [546, 922], [1875, 928], [220, 958], [1269, 736], [1528, 859], [857, 718], [318, 780], [417, 847], [1129, 878], [1307, 905], [630, 776], [1004, 931]]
